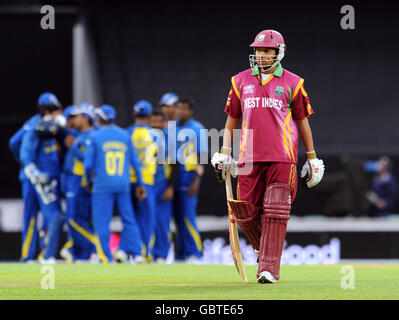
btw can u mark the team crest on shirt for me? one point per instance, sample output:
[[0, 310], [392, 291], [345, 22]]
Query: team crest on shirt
[[279, 91], [249, 89]]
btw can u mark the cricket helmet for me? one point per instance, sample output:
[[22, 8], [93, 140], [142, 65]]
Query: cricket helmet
[[169, 99], [106, 113], [68, 110], [86, 109], [142, 108], [268, 39], [48, 99]]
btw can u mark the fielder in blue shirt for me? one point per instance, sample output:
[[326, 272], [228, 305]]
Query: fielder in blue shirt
[[31, 205], [69, 182], [40, 158], [108, 156], [163, 189], [79, 213], [192, 145], [140, 135], [168, 104]]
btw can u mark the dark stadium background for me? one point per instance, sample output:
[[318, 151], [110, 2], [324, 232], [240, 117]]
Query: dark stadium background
[[147, 48]]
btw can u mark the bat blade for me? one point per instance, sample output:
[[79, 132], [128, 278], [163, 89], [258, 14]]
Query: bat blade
[[233, 234]]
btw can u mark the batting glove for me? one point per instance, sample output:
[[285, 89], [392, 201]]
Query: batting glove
[[314, 168], [224, 163]]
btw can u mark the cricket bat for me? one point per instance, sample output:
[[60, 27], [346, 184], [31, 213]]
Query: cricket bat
[[233, 233]]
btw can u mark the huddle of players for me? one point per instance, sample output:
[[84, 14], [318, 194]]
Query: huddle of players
[[81, 154]]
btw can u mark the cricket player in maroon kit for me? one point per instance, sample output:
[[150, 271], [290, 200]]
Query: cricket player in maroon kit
[[274, 106]]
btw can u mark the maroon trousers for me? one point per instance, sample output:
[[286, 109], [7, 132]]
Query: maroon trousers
[[265, 196], [252, 187]]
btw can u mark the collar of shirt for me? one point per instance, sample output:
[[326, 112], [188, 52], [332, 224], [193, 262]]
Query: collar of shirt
[[90, 129], [278, 72], [111, 125], [265, 76]]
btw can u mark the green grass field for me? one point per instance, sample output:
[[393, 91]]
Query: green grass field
[[196, 282]]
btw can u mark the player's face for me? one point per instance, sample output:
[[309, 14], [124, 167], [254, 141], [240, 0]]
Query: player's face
[[70, 122], [183, 111], [79, 121], [264, 57], [169, 111], [52, 113], [157, 122]]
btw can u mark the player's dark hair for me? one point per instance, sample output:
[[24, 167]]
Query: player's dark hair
[[141, 116], [48, 107], [158, 113], [188, 101]]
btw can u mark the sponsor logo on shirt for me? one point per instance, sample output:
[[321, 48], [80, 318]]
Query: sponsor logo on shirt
[[51, 148], [249, 89]]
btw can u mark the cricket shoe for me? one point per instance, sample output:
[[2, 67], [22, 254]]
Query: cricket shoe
[[160, 261], [121, 256], [192, 260], [137, 260], [29, 261], [266, 277], [82, 261], [50, 260], [66, 255], [95, 259]]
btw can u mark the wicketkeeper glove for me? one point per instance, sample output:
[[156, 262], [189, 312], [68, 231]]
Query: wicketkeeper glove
[[35, 175], [45, 187], [47, 191], [314, 168], [224, 163]]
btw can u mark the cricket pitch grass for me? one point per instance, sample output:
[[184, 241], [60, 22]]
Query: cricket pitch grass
[[195, 282]]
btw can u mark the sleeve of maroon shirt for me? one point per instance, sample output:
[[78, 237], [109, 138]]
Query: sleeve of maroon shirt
[[233, 105], [300, 106]]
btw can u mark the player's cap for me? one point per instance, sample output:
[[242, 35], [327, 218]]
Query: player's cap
[[142, 108], [268, 39], [85, 109], [169, 99], [48, 98], [106, 113], [68, 110]]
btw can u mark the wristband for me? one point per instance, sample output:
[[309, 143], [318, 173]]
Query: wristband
[[226, 150], [311, 155]]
